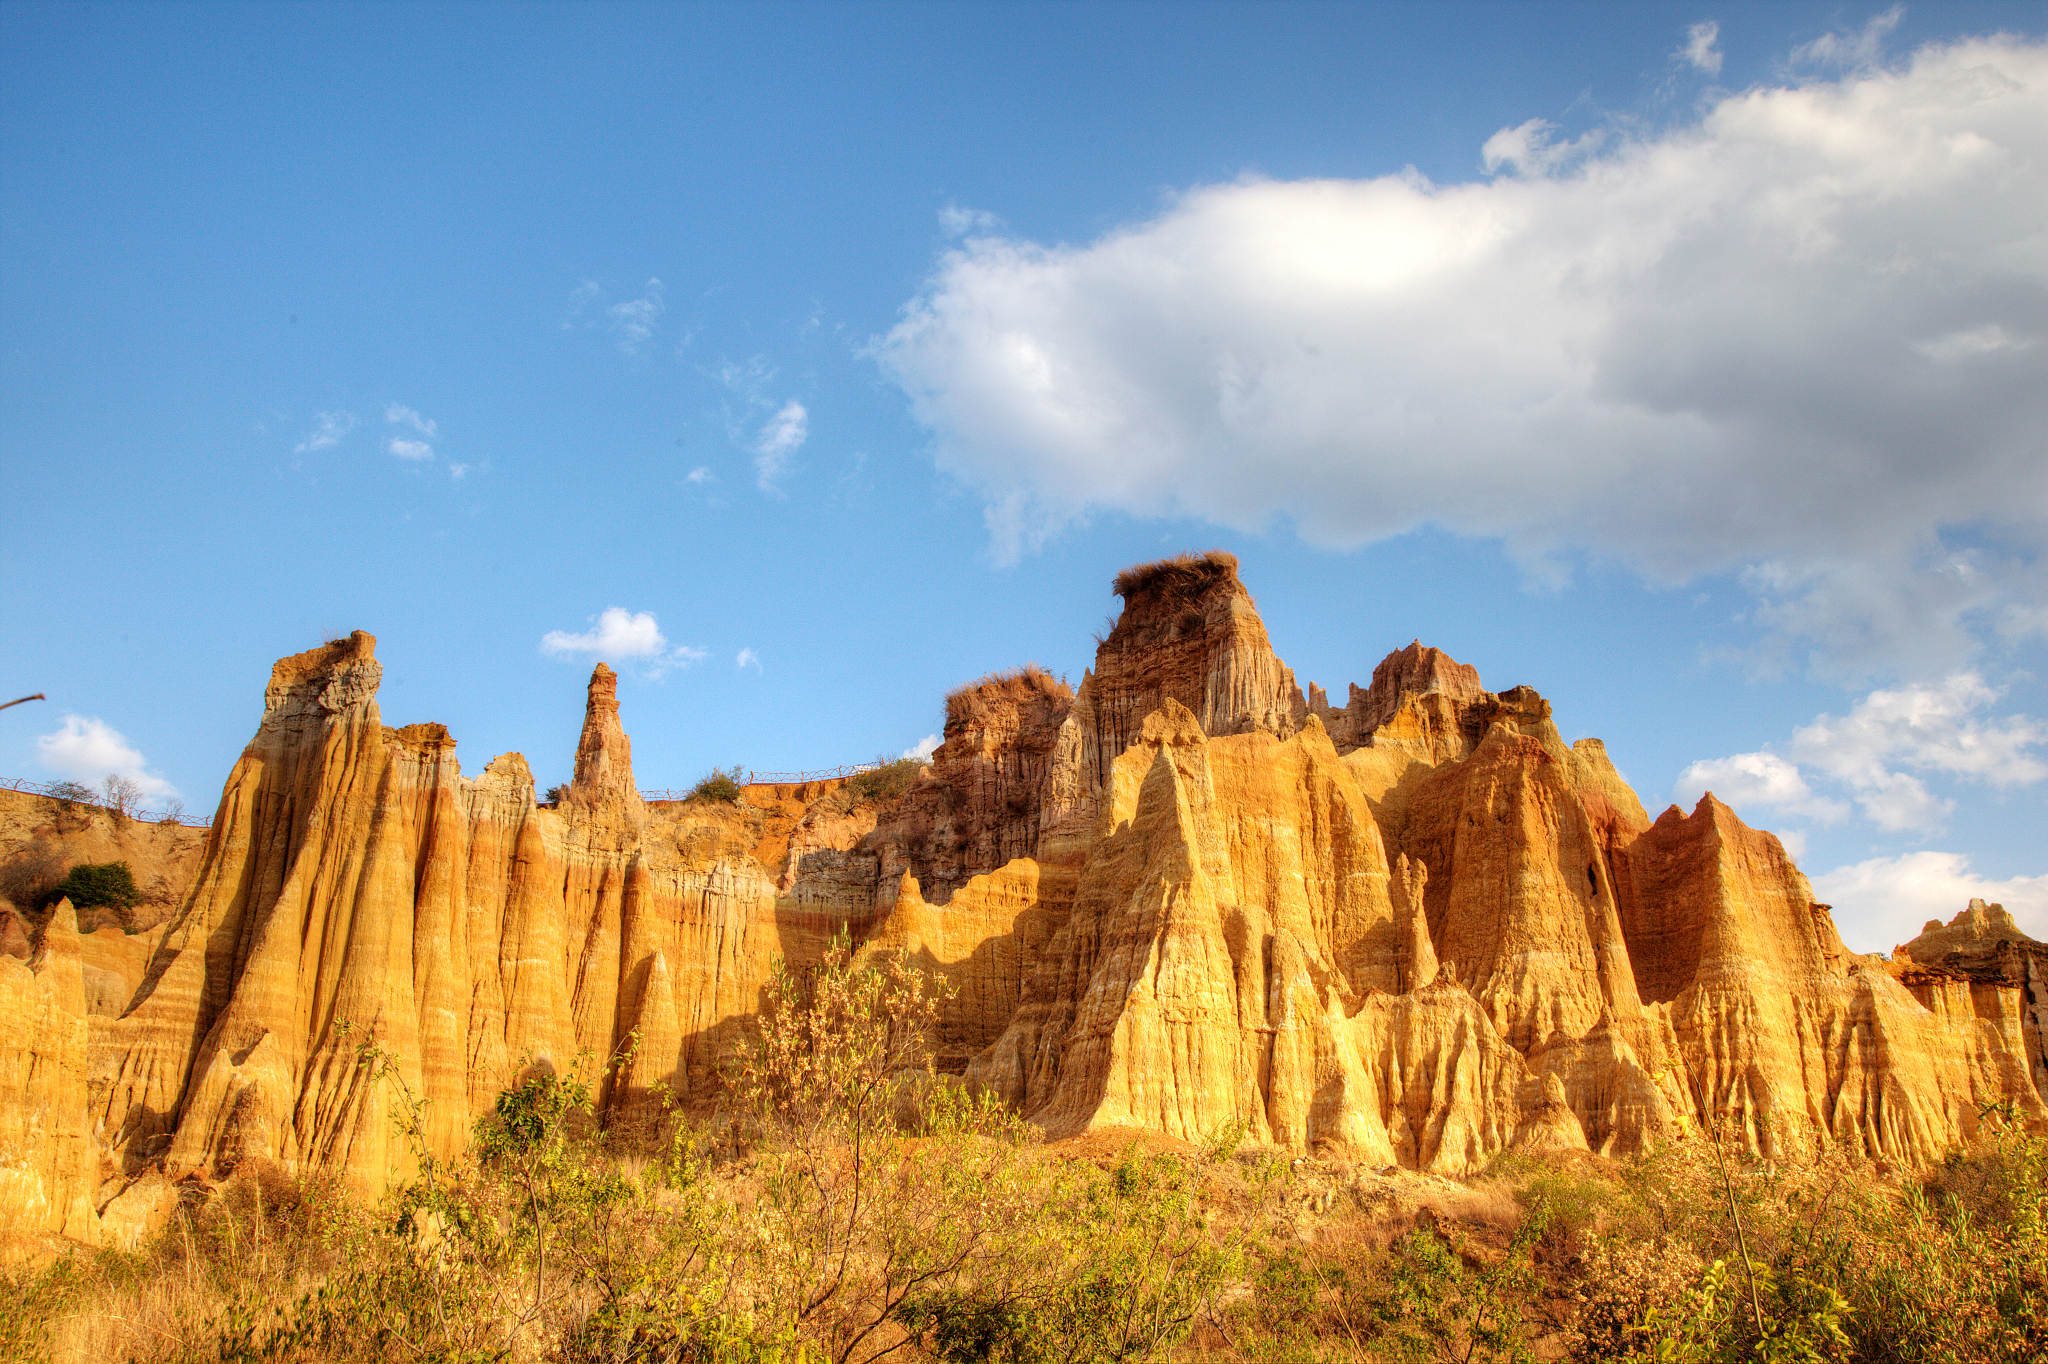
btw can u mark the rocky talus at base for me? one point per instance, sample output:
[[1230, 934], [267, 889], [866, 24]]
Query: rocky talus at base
[[1417, 931]]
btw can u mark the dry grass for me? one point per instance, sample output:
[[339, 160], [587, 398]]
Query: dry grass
[[979, 699], [852, 1206], [1176, 579], [1273, 1258]]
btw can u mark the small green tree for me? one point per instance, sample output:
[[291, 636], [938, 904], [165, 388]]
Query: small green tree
[[721, 784], [100, 883]]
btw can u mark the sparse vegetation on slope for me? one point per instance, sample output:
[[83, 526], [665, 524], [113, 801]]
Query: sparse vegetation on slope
[[886, 780], [104, 883], [720, 784], [848, 1204]]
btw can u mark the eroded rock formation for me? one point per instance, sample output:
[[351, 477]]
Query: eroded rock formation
[[1420, 930], [1984, 949]]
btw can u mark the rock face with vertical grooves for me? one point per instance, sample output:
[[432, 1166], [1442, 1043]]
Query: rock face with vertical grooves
[[1983, 949], [49, 1162], [981, 806], [1420, 930]]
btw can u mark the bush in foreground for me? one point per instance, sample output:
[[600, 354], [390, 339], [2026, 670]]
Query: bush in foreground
[[855, 1206]]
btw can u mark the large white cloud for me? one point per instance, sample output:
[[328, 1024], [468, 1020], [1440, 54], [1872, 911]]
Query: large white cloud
[[1887, 900], [1804, 334], [87, 749]]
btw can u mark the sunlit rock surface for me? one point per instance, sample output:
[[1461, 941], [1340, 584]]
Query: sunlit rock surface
[[1419, 930]]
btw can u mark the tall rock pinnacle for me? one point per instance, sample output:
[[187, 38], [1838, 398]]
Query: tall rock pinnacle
[[604, 755], [1189, 633]]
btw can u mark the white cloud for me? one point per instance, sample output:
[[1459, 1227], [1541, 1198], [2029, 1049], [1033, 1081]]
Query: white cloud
[[619, 634], [328, 429], [923, 749], [625, 636], [1530, 149], [633, 321], [1750, 779], [782, 437], [405, 416], [955, 221], [1801, 331], [458, 472], [1887, 900], [86, 749], [1935, 728], [410, 449], [1700, 51], [747, 658], [700, 475]]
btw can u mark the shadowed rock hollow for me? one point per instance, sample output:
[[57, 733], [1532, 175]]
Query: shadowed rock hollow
[[1419, 930]]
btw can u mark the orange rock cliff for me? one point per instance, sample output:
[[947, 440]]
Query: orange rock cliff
[[1420, 930]]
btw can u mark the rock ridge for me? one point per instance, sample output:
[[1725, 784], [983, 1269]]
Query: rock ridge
[[1421, 930]]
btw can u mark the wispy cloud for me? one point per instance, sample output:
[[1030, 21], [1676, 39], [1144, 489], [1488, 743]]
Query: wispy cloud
[[633, 321], [747, 658], [87, 749], [783, 429], [328, 430], [410, 449], [955, 221], [623, 636], [577, 309], [782, 437], [458, 472], [1532, 149], [397, 415], [1860, 50], [1700, 51], [701, 475]]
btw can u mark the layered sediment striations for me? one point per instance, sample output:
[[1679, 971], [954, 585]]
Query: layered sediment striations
[[1419, 930]]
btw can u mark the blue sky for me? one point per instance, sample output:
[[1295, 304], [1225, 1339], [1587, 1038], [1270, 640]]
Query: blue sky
[[1683, 362]]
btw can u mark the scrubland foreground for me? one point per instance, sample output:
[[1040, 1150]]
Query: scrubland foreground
[[844, 1201]]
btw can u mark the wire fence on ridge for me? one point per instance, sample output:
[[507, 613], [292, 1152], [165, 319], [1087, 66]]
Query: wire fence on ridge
[[777, 779], [74, 793]]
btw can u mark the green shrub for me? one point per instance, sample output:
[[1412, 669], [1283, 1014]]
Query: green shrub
[[101, 883], [888, 781], [723, 783]]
